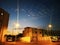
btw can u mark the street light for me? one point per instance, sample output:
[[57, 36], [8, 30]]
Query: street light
[[17, 25], [50, 29], [50, 26]]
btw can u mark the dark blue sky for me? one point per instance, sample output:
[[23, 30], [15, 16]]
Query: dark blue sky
[[33, 13]]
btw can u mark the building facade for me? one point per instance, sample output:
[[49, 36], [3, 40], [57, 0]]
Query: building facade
[[34, 33], [4, 18]]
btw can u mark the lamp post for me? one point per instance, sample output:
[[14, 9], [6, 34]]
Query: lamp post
[[50, 28], [17, 25], [50, 25]]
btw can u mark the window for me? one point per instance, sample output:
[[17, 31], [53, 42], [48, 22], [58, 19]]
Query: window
[[35, 31], [40, 32], [0, 24], [1, 13]]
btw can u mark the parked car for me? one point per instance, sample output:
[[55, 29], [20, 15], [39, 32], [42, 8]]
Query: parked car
[[55, 38], [10, 38], [58, 38]]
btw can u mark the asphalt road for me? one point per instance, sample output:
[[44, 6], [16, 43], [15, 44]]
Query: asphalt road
[[33, 43]]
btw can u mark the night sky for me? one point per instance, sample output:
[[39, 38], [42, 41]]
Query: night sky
[[33, 13]]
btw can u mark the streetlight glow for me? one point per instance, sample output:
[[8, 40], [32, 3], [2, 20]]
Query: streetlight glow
[[50, 26], [17, 25]]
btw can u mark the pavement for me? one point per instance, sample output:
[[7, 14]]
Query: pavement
[[33, 43], [1, 43], [44, 42]]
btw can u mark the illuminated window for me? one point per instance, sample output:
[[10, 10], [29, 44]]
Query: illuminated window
[[1, 13]]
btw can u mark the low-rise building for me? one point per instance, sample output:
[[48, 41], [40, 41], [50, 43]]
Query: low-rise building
[[34, 33]]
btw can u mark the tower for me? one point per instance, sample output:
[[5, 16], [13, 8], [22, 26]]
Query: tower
[[4, 18]]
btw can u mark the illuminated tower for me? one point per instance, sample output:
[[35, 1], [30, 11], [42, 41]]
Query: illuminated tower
[[4, 18]]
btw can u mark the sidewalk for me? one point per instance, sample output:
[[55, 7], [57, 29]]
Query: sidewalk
[[1, 43]]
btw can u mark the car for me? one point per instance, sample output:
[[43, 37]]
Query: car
[[10, 38], [59, 38], [55, 38]]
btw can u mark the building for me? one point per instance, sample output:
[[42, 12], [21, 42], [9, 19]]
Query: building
[[34, 33], [4, 18]]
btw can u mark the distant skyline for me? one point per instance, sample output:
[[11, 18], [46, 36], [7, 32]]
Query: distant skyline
[[33, 13]]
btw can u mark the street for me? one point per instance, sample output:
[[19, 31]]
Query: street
[[33, 43]]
